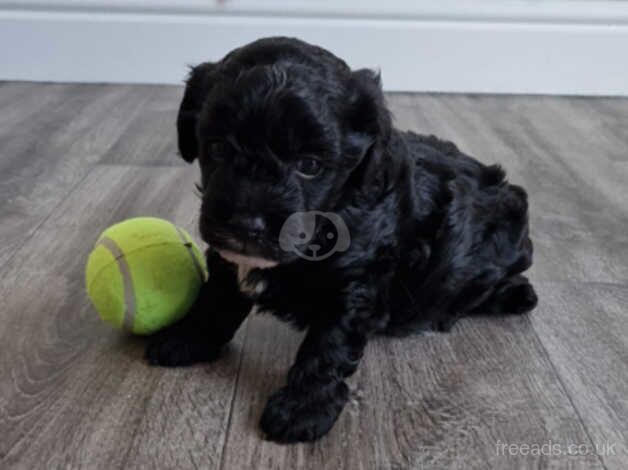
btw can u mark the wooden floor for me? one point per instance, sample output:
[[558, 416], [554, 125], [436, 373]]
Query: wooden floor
[[76, 394]]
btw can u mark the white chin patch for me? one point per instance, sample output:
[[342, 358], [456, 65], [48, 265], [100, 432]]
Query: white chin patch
[[253, 262], [245, 264]]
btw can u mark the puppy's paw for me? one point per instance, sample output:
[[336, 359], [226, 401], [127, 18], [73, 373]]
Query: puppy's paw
[[519, 299], [173, 349], [289, 417]]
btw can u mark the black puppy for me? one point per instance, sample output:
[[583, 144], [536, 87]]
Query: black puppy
[[317, 210]]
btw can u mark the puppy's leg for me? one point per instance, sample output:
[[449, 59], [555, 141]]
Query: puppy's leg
[[211, 323], [315, 392]]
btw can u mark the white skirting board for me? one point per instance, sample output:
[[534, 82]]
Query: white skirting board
[[442, 54]]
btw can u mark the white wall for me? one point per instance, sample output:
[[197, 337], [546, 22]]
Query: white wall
[[494, 46]]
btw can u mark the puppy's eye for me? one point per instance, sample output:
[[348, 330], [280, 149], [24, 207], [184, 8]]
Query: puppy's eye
[[218, 150], [308, 168]]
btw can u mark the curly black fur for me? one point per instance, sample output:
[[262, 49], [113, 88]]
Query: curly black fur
[[435, 235]]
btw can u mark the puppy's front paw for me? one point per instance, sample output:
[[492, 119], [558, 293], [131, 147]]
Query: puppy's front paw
[[173, 348], [291, 417]]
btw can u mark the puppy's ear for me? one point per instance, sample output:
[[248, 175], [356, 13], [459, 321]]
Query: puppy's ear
[[197, 86], [370, 127], [368, 113]]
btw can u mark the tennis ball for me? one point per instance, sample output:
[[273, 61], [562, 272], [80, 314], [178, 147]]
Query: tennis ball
[[144, 274]]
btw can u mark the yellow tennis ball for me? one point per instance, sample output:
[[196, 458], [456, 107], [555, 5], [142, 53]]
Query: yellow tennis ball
[[144, 274]]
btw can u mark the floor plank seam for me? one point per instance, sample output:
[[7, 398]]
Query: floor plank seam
[[233, 395], [62, 200], [619, 285], [145, 405], [141, 165], [561, 382]]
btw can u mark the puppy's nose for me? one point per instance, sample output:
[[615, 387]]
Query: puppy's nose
[[249, 225]]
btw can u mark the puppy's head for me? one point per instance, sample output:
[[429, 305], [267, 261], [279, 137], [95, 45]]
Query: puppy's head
[[279, 127]]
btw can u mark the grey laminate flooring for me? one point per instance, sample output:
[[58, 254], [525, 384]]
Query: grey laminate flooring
[[76, 394]]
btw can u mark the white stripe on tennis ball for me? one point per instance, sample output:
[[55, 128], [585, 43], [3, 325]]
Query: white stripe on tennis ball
[[129, 294]]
